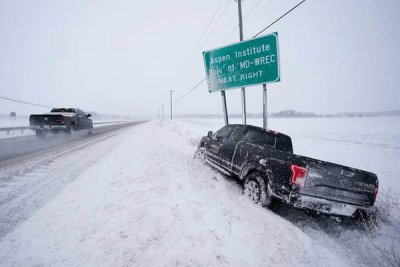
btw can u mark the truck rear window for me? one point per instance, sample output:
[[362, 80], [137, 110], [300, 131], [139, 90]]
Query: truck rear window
[[284, 143], [260, 138]]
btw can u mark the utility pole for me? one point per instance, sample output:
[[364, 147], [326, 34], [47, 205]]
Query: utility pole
[[162, 111], [170, 91], [241, 39]]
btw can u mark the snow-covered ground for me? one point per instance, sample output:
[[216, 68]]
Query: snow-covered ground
[[144, 201]]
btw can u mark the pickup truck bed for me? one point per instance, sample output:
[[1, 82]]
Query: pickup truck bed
[[264, 160]]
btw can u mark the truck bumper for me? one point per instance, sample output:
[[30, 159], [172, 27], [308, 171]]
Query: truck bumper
[[326, 206], [48, 127]]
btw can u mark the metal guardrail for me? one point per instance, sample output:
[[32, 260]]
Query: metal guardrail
[[24, 128], [14, 128]]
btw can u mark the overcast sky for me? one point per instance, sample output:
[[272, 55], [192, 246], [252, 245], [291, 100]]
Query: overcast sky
[[122, 57]]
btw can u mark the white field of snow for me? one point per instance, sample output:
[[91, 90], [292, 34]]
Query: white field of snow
[[147, 202]]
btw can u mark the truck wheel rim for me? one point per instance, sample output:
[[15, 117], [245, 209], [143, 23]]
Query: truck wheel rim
[[252, 190]]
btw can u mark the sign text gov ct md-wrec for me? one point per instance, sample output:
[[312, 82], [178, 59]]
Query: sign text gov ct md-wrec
[[243, 64]]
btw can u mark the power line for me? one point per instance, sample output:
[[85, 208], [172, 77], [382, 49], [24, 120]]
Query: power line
[[24, 102], [225, 28], [193, 55], [203, 42], [293, 8], [229, 34], [216, 23], [252, 9], [194, 87], [208, 26], [200, 82], [236, 25]]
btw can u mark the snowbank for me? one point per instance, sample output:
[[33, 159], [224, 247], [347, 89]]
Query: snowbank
[[149, 203]]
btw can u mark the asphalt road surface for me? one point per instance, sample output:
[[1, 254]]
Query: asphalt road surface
[[17, 146]]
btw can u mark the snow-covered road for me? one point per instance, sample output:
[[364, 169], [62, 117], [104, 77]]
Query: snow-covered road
[[138, 198], [29, 182]]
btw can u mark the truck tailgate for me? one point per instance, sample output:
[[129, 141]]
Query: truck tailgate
[[339, 183], [45, 120]]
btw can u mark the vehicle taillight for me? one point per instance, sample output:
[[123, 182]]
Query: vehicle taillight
[[376, 191], [299, 175], [62, 119]]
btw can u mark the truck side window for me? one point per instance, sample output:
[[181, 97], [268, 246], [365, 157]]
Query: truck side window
[[223, 133], [260, 138], [237, 134]]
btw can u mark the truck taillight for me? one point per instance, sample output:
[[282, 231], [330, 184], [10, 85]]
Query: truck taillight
[[62, 119], [376, 191], [299, 175]]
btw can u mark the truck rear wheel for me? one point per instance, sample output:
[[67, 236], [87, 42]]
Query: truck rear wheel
[[256, 189], [71, 129]]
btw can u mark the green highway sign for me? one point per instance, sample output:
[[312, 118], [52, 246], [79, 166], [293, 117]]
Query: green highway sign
[[246, 63]]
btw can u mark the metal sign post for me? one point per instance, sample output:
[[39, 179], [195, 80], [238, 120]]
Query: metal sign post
[[224, 107], [241, 39], [265, 110]]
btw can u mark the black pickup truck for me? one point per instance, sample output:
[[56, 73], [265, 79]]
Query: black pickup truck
[[264, 161], [60, 119]]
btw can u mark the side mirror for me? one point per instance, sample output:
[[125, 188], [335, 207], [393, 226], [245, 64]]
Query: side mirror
[[89, 115], [209, 134]]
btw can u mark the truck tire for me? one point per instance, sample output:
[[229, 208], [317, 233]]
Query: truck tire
[[71, 129], [255, 188], [200, 154]]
